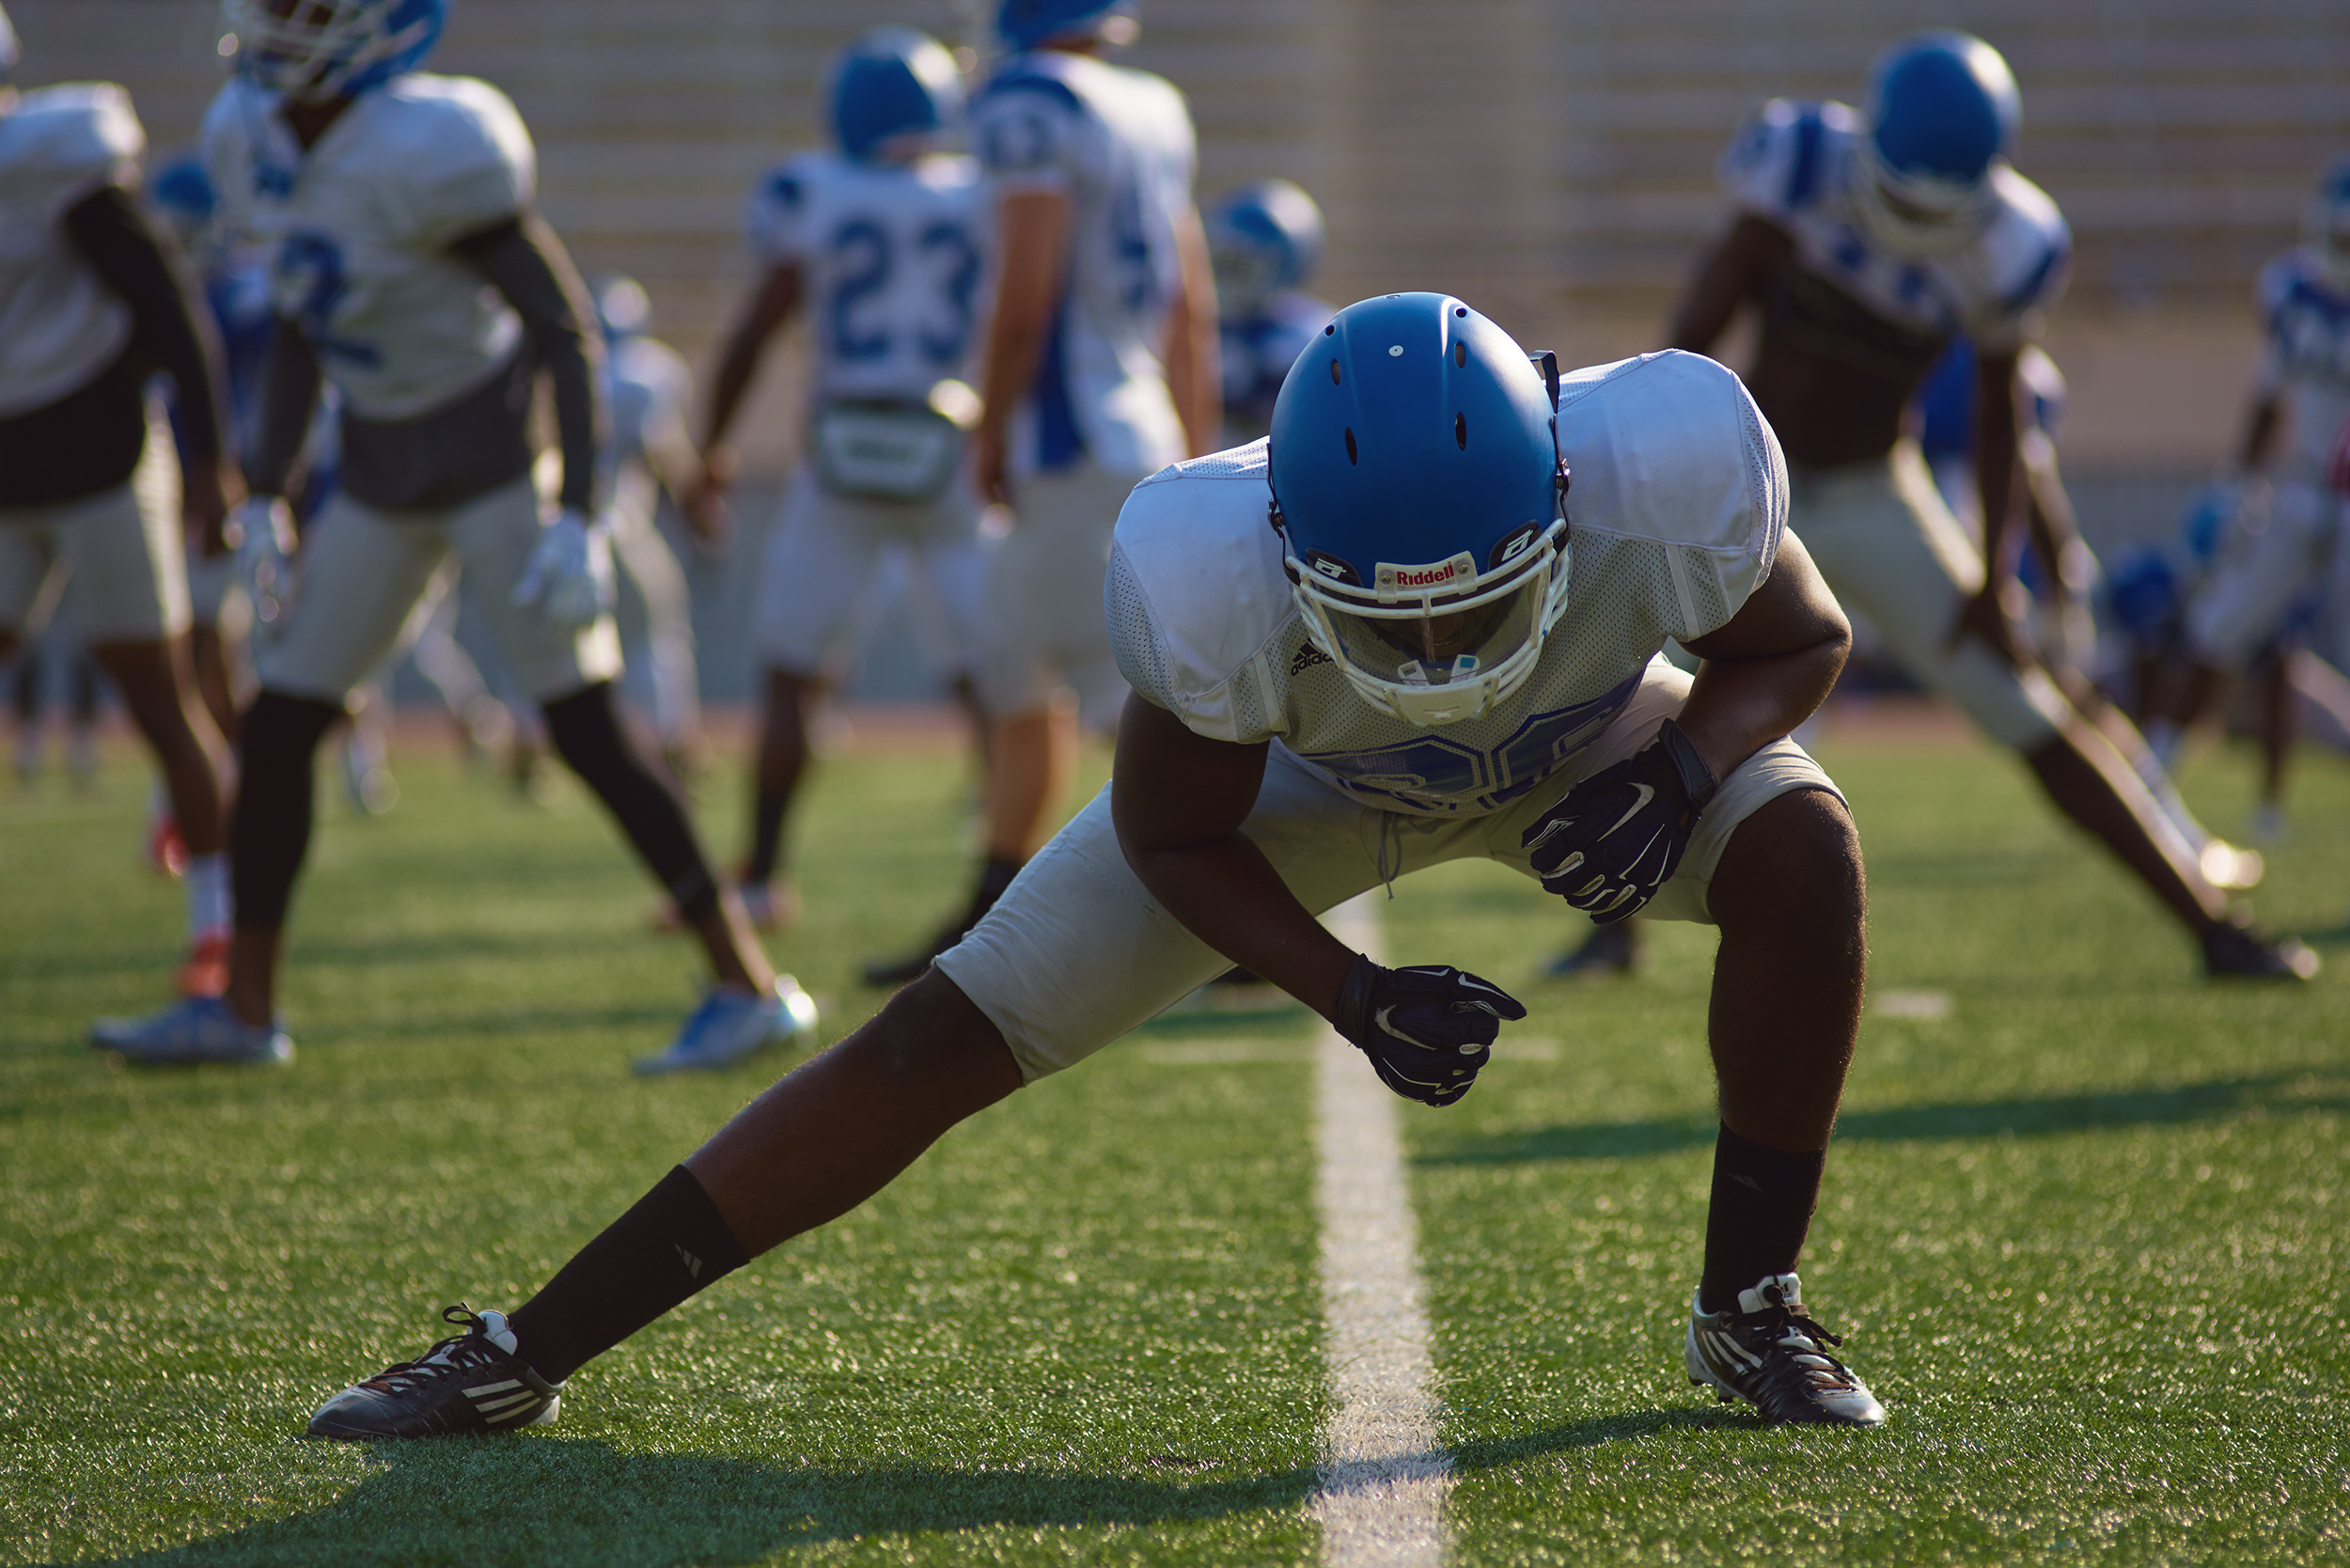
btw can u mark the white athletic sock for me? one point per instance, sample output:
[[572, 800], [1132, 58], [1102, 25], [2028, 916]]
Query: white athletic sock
[[207, 880]]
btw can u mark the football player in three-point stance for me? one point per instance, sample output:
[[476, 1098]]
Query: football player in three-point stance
[[2299, 429], [409, 269], [1389, 637], [1101, 369], [884, 242], [92, 303], [1867, 242]]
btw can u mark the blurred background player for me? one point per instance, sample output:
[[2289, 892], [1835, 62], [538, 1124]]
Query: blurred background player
[[2293, 476], [1101, 370], [1264, 242], [93, 302], [1867, 243], [647, 388], [884, 242], [388, 200]]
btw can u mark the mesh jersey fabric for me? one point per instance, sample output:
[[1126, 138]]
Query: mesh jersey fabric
[[1790, 163], [1676, 507]]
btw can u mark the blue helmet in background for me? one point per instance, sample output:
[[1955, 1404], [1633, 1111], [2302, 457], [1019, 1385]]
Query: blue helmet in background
[[1263, 238], [332, 48], [183, 193], [2326, 224], [2143, 593], [1419, 496], [1942, 110], [893, 82], [1023, 24]]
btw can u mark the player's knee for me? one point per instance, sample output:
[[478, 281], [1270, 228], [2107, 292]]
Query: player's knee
[[1795, 863], [931, 1035]]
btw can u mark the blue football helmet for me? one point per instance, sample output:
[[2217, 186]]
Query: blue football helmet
[[893, 82], [1420, 500], [183, 194], [1023, 24], [314, 50], [1263, 238], [1942, 111], [2326, 224]]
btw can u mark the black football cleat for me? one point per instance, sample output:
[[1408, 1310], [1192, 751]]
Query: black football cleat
[[1770, 1354], [2232, 952], [470, 1383], [1611, 951]]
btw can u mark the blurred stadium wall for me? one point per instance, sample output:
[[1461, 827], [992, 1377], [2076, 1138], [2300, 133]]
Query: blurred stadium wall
[[1550, 160]]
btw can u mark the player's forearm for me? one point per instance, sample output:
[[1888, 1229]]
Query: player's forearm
[[171, 329], [289, 397], [1226, 894], [526, 263], [1195, 375], [1035, 228], [1736, 707], [1714, 295], [2259, 434], [1997, 448]]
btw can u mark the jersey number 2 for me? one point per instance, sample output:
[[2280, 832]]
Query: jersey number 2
[[318, 258]]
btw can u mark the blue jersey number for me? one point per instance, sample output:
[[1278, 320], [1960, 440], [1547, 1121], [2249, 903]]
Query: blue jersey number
[[318, 258], [861, 246], [863, 251], [1138, 270], [951, 245]]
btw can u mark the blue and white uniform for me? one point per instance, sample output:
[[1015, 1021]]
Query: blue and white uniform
[[356, 231], [894, 263], [1259, 349], [1119, 145], [61, 329], [647, 387], [1678, 503], [1879, 531], [2268, 581]]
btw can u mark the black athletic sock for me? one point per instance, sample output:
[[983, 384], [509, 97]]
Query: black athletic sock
[[269, 833], [767, 810], [588, 735], [673, 1243], [1761, 1207]]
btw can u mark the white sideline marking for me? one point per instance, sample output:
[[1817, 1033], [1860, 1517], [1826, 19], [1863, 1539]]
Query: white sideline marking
[[1927, 1005], [1384, 1477]]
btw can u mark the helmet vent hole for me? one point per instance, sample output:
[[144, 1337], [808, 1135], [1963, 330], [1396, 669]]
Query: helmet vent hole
[[1459, 310], [1350, 445], [1460, 354], [1460, 430], [1334, 372]]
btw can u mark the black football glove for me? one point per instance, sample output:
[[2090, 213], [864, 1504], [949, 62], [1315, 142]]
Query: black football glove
[[1619, 836], [1427, 1029]]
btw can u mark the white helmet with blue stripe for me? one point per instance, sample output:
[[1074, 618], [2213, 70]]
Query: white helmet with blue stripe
[[315, 50], [1942, 113]]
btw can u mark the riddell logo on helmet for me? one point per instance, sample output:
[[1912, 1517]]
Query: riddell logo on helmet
[[1460, 569]]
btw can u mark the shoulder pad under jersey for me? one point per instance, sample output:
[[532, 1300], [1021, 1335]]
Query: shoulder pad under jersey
[[1787, 157], [61, 143], [453, 154], [775, 213]]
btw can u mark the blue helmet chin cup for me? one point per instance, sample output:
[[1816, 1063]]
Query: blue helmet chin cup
[[1942, 105], [1415, 470], [893, 82], [1023, 24]]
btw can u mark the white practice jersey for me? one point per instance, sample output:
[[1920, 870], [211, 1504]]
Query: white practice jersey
[[892, 259], [1119, 145], [358, 231], [59, 324], [1677, 500], [2307, 357], [1791, 164]]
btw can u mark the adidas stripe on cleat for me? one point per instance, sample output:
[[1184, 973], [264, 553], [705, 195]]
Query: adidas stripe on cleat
[[1770, 1353], [470, 1382]]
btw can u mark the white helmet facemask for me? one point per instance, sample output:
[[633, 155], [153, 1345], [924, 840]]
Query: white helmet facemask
[[310, 50], [1916, 216]]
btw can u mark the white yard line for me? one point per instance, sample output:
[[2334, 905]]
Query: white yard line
[[1383, 1478]]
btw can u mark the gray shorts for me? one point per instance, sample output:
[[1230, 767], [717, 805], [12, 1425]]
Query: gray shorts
[[362, 572], [827, 552], [122, 549], [1077, 953], [1043, 626]]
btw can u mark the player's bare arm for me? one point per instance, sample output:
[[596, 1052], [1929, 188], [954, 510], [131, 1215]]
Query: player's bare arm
[[526, 262], [1178, 800], [1728, 276], [770, 306], [1770, 668], [1033, 228], [1195, 376], [1990, 613]]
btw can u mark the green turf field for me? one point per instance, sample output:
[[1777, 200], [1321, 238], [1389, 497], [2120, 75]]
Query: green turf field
[[2087, 1228]]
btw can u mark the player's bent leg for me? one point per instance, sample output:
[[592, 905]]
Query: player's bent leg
[[158, 686], [1790, 896], [818, 1143]]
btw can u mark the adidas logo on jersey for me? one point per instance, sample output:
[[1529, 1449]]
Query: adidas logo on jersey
[[1307, 656]]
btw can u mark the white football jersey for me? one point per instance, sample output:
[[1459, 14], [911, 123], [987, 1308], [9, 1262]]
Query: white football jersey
[[1791, 164], [1120, 143], [2307, 357], [59, 324], [358, 231], [892, 257], [1676, 503]]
